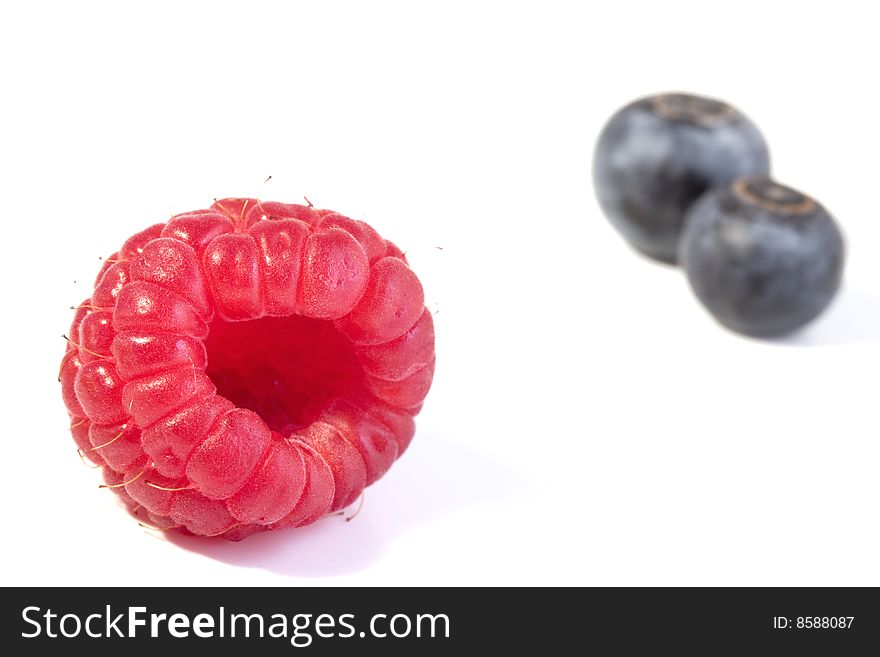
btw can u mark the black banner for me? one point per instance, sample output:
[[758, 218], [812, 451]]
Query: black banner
[[440, 620]]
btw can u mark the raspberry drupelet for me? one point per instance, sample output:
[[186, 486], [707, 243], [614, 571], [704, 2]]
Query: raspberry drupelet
[[247, 367]]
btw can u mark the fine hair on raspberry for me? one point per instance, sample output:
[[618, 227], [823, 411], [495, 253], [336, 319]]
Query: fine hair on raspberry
[[247, 367]]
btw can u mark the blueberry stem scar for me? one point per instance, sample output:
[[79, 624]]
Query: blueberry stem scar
[[693, 109], [772, 196]]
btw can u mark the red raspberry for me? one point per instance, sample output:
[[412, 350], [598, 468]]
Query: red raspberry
[[250, 366]]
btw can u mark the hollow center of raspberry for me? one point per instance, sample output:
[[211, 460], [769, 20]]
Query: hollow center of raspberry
[[286, 369]]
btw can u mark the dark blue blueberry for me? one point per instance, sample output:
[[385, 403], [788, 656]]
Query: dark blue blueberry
[[657, 155], [763, 258]]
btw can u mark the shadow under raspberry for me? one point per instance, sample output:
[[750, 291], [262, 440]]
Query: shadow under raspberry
[[436, 477]]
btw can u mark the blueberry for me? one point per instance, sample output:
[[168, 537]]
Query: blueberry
[[763, 258], [657, 155]]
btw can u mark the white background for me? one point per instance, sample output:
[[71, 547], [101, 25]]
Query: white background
[[589, 423]]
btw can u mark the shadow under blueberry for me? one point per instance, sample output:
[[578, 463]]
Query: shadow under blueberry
[[852, 318], [435, 477]]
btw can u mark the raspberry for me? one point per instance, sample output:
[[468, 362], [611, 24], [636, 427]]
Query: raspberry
[[247, 367]]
